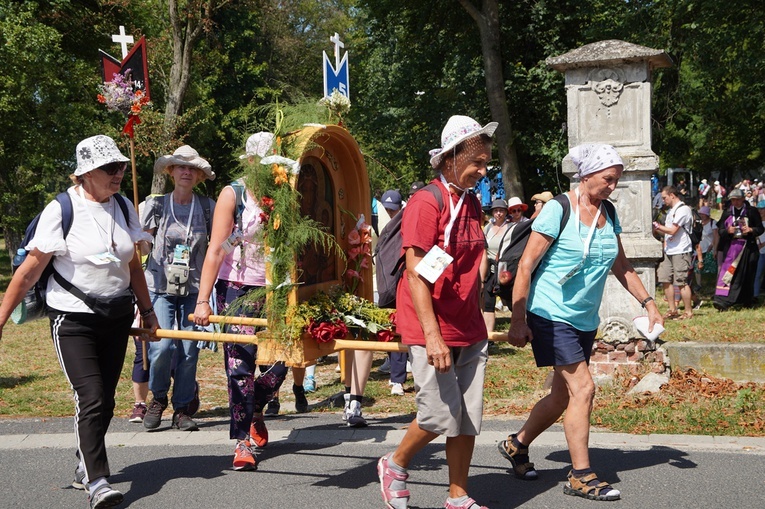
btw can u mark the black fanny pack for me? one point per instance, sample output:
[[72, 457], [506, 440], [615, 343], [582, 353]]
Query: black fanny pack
[[111, 307]]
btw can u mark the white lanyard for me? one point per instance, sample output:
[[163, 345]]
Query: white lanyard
[[454, 211], [592, 228], [109, 240], [191, 215]]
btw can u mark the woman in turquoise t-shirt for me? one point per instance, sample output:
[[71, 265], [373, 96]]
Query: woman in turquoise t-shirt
[[557, 306]]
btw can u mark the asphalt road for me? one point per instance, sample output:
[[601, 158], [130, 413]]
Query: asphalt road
[[314, 461]]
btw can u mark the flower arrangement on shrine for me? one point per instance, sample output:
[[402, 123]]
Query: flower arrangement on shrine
[[358, 252], [333, 315], [339, 312], [285, 233]]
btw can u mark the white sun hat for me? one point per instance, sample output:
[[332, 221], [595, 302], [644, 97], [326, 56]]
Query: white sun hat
[[458, 129], [95, 152], [184, 156], [258, 145]]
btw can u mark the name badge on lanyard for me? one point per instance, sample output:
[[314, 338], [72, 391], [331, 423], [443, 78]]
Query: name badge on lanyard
[[587, 242], [435, 262]]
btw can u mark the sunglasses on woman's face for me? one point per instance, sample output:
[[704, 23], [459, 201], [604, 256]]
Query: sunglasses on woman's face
[[113, 168], [513, 211]]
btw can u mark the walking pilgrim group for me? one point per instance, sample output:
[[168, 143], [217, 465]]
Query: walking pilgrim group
[[441, 310]]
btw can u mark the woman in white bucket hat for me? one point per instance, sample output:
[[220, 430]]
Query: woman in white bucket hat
[[89, 298]]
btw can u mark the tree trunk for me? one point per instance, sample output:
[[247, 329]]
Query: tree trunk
[[184, 37], [488, 27]]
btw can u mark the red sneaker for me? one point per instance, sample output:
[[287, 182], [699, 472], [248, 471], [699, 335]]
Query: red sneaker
[[258, 431], [244, 459]]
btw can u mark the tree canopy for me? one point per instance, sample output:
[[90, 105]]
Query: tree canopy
[[412, 66]]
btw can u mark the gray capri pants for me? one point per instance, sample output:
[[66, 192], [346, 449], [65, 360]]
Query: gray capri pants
[[451, 403]]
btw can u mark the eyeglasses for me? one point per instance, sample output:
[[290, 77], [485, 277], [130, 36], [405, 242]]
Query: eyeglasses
[[513, 211], [113, 168]]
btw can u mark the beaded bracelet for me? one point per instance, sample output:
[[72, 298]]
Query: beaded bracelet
[[146, 313], [203, 302]]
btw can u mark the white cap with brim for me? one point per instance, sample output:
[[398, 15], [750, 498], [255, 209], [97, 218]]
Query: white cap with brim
[[458, 129], [184, 156], [258, 145], [95, 152]]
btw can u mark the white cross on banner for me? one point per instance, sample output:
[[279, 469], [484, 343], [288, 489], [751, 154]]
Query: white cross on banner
[[123, 40], [336, 78]]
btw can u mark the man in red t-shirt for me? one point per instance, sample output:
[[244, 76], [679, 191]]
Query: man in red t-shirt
[[454, 295], [439, 313]]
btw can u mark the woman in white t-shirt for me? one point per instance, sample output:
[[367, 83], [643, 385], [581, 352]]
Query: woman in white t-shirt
[[90, 303]]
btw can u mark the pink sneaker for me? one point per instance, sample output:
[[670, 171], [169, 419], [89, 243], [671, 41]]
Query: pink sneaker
[[387, 476], [469, 504], [139, 412]]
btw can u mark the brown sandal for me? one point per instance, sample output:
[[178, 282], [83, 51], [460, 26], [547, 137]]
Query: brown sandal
[[670, 315], [519, 458], [590, 487]]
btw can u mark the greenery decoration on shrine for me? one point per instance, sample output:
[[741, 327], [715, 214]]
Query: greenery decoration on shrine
[[287, 234]]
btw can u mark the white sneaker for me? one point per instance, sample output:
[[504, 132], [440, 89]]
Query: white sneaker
[[385, 368], [104, 496], [396, 389], [353, 416]]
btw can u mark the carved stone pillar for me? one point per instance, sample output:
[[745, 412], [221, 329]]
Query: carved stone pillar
[[608, 89]]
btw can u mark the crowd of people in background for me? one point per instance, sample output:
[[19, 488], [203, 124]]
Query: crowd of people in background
[[725, 261]]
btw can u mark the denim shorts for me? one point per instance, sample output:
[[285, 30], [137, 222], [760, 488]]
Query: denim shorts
[[558, 343]]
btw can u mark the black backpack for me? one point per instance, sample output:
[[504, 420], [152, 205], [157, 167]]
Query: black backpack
[[519, 237], [389, 262], [34, 301], [696, 232]]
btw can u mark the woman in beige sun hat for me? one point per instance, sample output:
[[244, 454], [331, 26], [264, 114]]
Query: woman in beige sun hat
[[184, 156], [180, 222]]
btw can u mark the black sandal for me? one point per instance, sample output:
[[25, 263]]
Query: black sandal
[[589, 487]]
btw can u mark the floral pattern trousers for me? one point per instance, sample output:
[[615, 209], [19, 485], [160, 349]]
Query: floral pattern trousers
[[247, 394]]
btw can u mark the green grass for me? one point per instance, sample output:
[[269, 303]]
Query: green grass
[[710, 325]]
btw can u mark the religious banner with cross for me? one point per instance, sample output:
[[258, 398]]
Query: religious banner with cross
[[133, 60], [336, 78]]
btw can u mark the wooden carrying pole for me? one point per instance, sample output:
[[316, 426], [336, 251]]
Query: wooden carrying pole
[[223, 337], [262, 322]]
